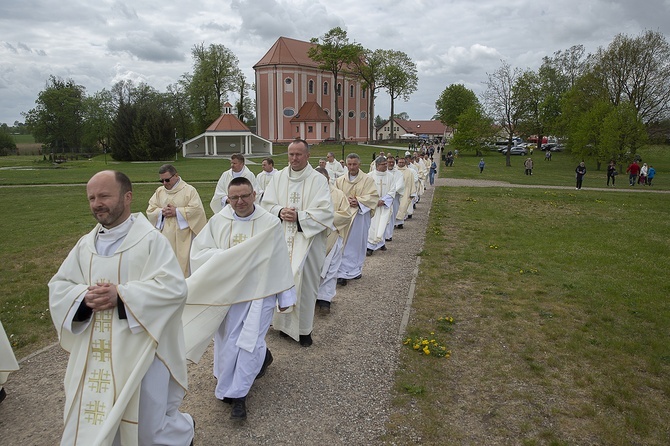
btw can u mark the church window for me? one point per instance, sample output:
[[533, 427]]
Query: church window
[[310, 87], [325, 88], [288, 85], [351, 91], [352, 114], [289, 112], [310, 129], [339, 89]]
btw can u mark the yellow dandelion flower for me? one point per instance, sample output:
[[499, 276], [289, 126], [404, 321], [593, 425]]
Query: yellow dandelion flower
[[425, 342], [416, 346], [426, 351]]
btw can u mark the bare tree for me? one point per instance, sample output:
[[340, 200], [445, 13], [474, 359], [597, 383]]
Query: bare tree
[[500, 101]]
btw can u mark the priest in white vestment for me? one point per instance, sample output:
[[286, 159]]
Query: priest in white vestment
[[392, 169], [117, 303], [362, 195], [300, 197], [335, 169], [264, 177], [241, 273], [411, 166], [7, 361], [237, 169], [176, 211], [386, 188], [343, 217], [406, 200]]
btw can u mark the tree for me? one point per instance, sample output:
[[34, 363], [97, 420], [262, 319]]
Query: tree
[[636, 70], [215, 73], [398, 77], [501, 103], [333, 53], [57, 119], [475, 129], [244, 106], [177, 98], [143, 129], [7, 143], [99, 112], [453, 102], [368, 67]]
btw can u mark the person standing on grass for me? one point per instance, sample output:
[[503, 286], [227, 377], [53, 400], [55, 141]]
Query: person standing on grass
[[643, 174], [611, 172], [580, 171], [528, 164], [651, 173], [433, 171], [633, 171], [481, 165]]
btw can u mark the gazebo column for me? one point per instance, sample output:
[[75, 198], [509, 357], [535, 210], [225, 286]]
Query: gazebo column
[[216, 147], [206, 145]]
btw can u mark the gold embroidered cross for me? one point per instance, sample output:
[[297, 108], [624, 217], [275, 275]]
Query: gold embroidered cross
[[294, 197], [101, 350], [94, 412], [99, 380], [239, 238], [103, 321]]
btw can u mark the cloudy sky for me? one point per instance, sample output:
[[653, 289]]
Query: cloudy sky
[[451, 41]]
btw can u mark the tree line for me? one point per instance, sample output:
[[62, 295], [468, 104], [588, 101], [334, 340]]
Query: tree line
[[604, 106], [136, 122]]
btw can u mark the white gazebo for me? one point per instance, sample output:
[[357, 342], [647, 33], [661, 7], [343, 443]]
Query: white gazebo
[[225, 136]]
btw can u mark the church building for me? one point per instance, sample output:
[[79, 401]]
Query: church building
[[295, 99]]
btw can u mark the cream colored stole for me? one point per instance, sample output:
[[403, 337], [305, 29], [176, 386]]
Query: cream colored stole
[[108, 395]]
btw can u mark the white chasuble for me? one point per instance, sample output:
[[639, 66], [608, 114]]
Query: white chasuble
[[386, 188], [233, 261], [110, 356], [308, 193]]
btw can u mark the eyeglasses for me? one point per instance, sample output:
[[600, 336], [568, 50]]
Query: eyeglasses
[[240, 197], [166, 180]]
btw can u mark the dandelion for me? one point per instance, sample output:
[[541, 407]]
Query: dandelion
[[426, 351], [416, 346]]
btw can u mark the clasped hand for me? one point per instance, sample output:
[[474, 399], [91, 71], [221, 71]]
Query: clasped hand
[[101, 296]]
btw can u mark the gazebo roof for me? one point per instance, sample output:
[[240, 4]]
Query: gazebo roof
[[311, 112], [227, 122]]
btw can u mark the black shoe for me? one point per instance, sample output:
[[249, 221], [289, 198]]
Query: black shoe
[[389, 239], [283, 335], [383, 248], [400, 226], [3, 394], [369, 252], [227, 400], [324, 306], [239, 412], [266, 363], [306, 340], [342, 282], [410, 215], [358, 276]]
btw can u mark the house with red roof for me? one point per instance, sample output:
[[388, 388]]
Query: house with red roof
[[225, 136], [419, 129], [296, 99]]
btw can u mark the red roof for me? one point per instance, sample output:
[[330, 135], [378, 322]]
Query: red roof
[[311, 112], [288, 51], [228, 123], [430, 127]]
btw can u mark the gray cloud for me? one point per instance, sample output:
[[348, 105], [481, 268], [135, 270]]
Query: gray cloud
[[158, 46]]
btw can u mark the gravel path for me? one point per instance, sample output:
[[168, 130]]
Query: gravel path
[[335, 392]]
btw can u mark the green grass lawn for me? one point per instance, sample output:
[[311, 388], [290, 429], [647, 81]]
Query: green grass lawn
[[561, 330], [560, 171]]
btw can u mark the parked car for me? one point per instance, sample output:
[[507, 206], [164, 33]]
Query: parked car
[[516, 151], [557, 148]]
